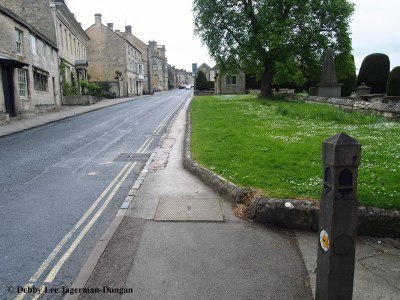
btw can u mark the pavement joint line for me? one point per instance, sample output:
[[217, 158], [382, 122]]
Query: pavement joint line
[[89, 266]]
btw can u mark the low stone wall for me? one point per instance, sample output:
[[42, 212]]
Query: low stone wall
[[304, 214], [388, 107], [289, 213], [204, 93], [79, 100]]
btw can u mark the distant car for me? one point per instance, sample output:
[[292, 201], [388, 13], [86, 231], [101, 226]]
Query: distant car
[[188, 87], [181, 87]]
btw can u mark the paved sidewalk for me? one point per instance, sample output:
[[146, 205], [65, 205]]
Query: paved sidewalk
[[180, 240], [173, 243], [61, 113]]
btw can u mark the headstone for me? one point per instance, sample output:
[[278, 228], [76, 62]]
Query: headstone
[[328, 75], [341, 156], [363, 90], [328, 86]]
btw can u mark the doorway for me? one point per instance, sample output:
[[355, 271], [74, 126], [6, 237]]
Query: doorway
[[7, 77]]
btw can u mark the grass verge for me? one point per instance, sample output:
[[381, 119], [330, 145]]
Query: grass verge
[[275, 146]]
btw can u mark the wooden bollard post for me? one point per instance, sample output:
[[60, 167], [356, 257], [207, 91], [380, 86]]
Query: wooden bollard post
[[341, 155]]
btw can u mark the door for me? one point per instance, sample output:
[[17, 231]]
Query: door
[[8, 87]]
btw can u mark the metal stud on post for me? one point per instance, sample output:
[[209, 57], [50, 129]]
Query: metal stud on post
[[341, 155]]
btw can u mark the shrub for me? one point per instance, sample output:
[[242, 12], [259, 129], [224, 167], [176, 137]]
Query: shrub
[[210, 85], [201, 81], [346, 72], [393, 85], [374, 72], [90, 88]]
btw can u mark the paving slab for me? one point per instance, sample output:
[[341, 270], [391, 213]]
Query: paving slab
[[377, 269], [189, 209]]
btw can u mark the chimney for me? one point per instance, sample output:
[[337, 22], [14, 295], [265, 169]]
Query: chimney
[[97, 18], [128, 29], [110, 26]]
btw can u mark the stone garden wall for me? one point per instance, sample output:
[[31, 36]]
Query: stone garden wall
[[388, 107]]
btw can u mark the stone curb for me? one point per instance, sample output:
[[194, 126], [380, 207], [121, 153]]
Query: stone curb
[[289, 213]]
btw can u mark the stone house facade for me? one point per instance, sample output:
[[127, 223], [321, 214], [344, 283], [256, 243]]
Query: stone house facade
[[53, 19], [28, 68], [159, 76], [72, 42], [206, 70], [145, 73], [113, 60], [230, 84]]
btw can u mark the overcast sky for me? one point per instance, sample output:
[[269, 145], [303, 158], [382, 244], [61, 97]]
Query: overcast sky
[[375, 26]]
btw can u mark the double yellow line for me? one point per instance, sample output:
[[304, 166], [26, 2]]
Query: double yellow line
[[114, 186]]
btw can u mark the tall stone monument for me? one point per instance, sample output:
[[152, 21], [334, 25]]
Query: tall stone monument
[[328, 87]]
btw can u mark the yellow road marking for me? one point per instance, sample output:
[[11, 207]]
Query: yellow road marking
[[85, 230]]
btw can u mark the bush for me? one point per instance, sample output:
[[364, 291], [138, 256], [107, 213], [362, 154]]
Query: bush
[[90, 88], [393, 85], [210, 85], [201, 81], [374, 72], [346, 72]]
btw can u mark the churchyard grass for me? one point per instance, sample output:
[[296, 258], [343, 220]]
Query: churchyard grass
[[275, 146]]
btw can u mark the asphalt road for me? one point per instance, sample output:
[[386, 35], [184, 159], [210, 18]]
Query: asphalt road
[[61, 186]]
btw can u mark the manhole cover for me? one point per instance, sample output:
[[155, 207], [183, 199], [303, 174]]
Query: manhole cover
[[133, 157], [193, 209]]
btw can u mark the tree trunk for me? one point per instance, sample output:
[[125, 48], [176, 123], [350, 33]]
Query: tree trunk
[[266, 83]]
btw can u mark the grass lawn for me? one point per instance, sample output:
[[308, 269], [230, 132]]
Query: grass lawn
[[275, 146]]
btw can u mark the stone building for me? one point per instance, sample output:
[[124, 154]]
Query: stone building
[[113, 60], [53, 19], [28, 68], [146, 58], [159, 76], [213, 73], [172, 77], [206, 70], [230, 84]]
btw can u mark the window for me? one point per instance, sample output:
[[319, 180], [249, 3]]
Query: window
[[44, 50], [230, 79], [66, 38], [40, 81], [34, 44], [22, 83], [18, 40], [61, 36]]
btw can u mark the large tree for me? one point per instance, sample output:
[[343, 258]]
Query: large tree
[[256, 36]]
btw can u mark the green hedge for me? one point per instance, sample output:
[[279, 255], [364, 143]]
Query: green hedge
[[374, 72], [393, 85]]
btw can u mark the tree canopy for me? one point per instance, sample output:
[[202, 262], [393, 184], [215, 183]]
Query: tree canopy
[[267, 37]]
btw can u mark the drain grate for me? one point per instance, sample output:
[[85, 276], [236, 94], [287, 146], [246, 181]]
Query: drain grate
[[139, 157]]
